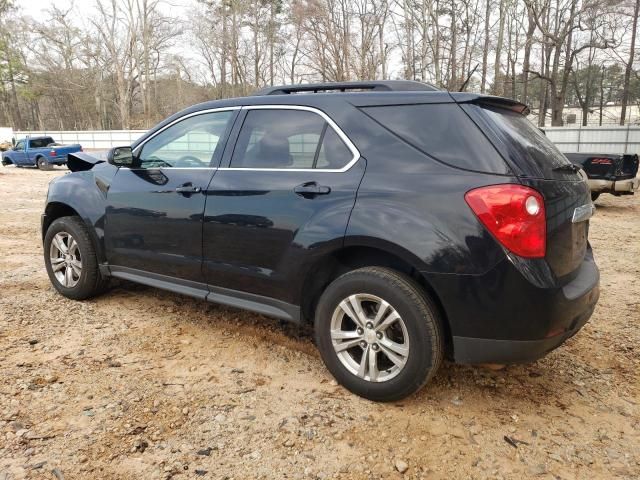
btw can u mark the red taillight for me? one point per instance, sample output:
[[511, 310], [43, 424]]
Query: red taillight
[[514, 214], [52, 153]]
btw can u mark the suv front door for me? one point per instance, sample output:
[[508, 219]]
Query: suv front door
[[154, 209], [285, 191]]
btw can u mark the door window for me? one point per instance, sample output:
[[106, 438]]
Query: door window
[[190, 143], [19, 146], [288, 139]]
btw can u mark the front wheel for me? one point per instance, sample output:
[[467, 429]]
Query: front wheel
[[378, 333], [71, 260]]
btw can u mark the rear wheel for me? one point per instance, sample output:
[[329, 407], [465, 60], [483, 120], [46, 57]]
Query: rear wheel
[[42, 164], [378, 333], [71, 260], [594, 196]]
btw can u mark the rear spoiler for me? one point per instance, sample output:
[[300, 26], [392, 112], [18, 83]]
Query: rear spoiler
[[491, 101], [81, 161]]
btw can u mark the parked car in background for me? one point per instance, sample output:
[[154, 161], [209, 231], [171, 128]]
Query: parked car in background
[[405, 223], [6, 138], [608, 173], [42, 152]]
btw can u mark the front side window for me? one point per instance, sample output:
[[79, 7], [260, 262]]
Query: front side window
[[288, 139], [190, 143], [19, 146]]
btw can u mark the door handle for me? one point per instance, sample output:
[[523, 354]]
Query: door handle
[[311, 189], [188, 188]]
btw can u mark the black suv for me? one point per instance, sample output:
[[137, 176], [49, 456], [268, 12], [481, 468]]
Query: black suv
[[406, 223]]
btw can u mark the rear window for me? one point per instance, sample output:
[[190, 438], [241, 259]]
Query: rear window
[[522, 142], [442, 131], [40, 142]]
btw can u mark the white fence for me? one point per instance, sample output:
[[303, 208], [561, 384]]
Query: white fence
[[596, 139], [91, 139], [568, 139]]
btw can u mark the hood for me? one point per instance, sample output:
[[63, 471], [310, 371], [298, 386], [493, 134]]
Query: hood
[[80, 161]]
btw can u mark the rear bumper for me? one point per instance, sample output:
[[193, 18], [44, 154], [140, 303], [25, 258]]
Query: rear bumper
[[501, 317], [484, 350], [629, 185], [59, 160]]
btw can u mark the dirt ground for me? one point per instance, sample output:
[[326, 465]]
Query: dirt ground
[[144, 384]]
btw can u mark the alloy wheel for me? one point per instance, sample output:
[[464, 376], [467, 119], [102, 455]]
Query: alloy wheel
[[369, 337], [65, 259]]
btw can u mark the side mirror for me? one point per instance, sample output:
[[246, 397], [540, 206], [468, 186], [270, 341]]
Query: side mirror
[[120, 156], [13, 141]]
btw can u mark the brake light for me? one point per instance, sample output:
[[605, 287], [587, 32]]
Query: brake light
[[514, 215], [52, 153]]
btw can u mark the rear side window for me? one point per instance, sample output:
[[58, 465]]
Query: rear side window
[[288, 139], [522, 142], [442, 131]]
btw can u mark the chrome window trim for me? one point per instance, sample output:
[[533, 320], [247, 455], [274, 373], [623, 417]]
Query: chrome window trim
[[169, 168], [352, 148], [184, 117]]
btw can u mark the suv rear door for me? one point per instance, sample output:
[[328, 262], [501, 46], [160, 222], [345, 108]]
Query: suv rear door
[[285, 190]]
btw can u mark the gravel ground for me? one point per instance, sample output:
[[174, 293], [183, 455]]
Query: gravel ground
[[140, 383]]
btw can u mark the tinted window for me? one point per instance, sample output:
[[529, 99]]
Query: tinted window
[[40, 142], [522, 142], [334, 154], [190, 143], [444, 132], [281, 138]]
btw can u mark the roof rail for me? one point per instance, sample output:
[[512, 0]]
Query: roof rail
[[376, 86]]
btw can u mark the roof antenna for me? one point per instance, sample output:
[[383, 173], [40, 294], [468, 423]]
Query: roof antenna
[[464, 85]]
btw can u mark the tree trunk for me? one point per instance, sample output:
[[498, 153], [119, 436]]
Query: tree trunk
[[485, 50], [496, 68], [629, 66]]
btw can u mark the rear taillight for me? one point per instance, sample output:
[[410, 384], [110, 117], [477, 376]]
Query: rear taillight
[[514, 215], [52, 153]]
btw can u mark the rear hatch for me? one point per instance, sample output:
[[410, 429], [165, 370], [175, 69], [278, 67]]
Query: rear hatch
[[540, 165], [596, 166], [605, 166]]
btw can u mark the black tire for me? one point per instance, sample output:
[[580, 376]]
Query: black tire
[[594, 196], [419, 315], [42, 164], [90, 282]]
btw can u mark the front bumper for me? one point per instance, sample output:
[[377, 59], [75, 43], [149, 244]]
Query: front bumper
[[501, 317]]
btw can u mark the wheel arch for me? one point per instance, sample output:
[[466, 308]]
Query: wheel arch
[[351, 257], [56, 209]]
